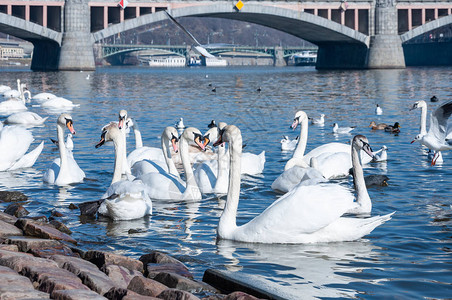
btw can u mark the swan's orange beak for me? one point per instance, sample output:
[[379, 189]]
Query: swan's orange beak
[[174, 141], [121, 123], [70, 126], [205, 141], [199, 143]]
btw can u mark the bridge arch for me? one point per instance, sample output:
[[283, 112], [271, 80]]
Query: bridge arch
[[432, 25], [314, 29]]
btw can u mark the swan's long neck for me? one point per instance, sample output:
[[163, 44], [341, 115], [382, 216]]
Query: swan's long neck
[[125, 169], [191, 188], [423, 128], [362, 197], [301, 147], [64, 166], [120, 149], [228, 217], [222, 175], [167, 155], [138, 138]]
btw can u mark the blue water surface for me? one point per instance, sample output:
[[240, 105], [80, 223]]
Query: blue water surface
[[407, 257]]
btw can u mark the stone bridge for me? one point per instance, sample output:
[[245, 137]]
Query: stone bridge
[[349, 34]]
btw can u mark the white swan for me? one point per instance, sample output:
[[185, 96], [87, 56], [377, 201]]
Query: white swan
[[58, 103], [4, 88], [307, 214], [124, 199], [168, 186], [10, 93], [150, 159], [212, 175], [42, 97], [64, 170], [333, 159], [438, 136], [26, 118], [288, 144], [14, 143], [342, 130]]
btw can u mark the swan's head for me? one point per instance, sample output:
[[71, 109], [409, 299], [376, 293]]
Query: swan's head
[[122, 118], [171, 134], [66, 120], [109, 133], [129, 123], [227, 134], [210, 135], [360, 142], [193, 134], [300, 116], [418, 104]]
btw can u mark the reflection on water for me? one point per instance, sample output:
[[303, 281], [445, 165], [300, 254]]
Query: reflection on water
[[408, 252]]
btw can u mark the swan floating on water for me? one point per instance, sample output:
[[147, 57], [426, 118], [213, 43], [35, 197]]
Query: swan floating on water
[[64, 170], [26, 118], [307, 214], [124, 199]]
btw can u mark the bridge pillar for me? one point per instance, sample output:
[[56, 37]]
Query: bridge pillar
[[385, 47], [278, 60], [77, 48]]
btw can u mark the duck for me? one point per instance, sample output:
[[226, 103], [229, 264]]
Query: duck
[[212, 124], [393, 128], [169, 187], [14, 144], [26, 118], [307, 214], [64, 170], [287, 144], [124, 199], [375, 126], [342, 130], [378, 110], [434, 99], [318, 121]]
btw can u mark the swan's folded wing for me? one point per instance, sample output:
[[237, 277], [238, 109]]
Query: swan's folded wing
[[14, 143], [29, 159], [304, 210]]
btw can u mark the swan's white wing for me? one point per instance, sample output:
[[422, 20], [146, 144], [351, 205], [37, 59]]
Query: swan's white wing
[[334, 165], [330, 147], [142, 153], [148, 166], [163, 186], [302, 211], [29, 159], [439, 120], [26, 118], [297, 175], [252, 164], [206, 175], [14, 143]]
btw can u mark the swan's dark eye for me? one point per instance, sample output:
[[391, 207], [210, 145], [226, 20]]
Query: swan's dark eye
[[68, 121]]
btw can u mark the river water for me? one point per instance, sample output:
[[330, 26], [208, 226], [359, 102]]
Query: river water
[[407, 257]]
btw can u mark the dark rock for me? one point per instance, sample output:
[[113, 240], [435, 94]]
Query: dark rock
[[38, 219], [88, 272], [173, 294], [17, 210], [153, 269], [76, 295], [7, 229], [56, 214], [12, 196], [90, 208], [73, 206], [121, 276], [239, 296], [57, 250], [158, 257], [172, 280], [26, 243], [135, 296], [101, 258], [8, 218], [31, 228], [60, 226], [146, 286], [116, 293]]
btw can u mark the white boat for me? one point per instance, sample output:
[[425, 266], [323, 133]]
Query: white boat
[[168, 62], [213, 62], [305, 58]]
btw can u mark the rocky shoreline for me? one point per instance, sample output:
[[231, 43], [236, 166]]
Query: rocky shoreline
[[40, 260]]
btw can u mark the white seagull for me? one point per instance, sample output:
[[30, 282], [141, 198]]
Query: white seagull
[[378, 110]]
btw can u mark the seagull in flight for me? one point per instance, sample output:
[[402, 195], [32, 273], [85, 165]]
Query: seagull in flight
[[199, 47], [438, 135]]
